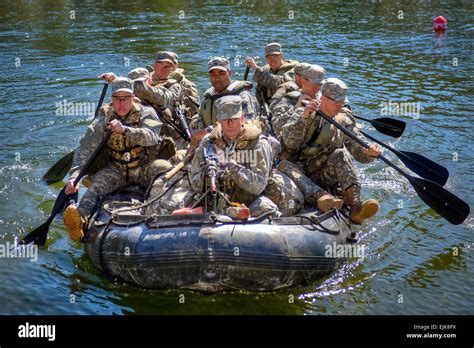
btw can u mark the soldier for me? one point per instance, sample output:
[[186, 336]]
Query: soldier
[[270, 77], [324, 150], [307, 85], [222, 85], [131, 151], [244, 157]]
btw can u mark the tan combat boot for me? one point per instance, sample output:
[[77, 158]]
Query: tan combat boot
[[74, 222], [327, 202], [359, 211]]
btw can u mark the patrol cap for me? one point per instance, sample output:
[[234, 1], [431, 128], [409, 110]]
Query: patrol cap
[[272, 48], [138, 73], [220, 63], [122, 84], [335, 89], [311, 72], [229, 107], [166, 56]]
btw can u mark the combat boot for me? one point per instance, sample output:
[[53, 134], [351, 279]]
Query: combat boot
[[327, 202], [74, 222], [359, 211]]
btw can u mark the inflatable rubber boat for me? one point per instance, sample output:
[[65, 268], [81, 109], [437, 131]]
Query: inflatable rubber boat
[[209, 252]]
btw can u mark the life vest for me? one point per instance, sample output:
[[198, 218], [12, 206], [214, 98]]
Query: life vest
[[286, 65], [323, 137], [210, 96], [121, 151]]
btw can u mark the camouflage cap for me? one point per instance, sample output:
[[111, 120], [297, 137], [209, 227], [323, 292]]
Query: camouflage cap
[[229, 107], [122, 84], [220, 63], [335, 89], [311, 72], [166, 56], [272, 48], [138, 73]]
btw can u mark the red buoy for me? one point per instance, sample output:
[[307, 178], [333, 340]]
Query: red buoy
[[440, 24]]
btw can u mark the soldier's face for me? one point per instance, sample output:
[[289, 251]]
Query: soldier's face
[[274, 60], [163, 69], [122, 103], [231, 127], [220, 79], [309, 87], [330, 107]]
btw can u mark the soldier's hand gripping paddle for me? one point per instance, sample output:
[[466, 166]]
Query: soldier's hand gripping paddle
[[450, 207], [39, 234], [386, 125], [59, 170]]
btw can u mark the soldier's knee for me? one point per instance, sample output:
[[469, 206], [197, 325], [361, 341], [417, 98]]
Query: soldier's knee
[[160, 166]]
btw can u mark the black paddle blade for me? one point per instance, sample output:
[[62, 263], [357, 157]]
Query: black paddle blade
[[425, 167], [389, 126], [441, 200], [38, 235], [59, 170]]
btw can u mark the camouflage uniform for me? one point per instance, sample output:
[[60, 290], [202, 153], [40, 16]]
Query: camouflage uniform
[[283, 102], [323, 150], [284, 192], [207, 115], [131, 155], [268, 81], [245, 175], [191, 95]]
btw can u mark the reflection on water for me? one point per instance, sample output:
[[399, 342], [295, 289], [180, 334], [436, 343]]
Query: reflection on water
[[47, 56]]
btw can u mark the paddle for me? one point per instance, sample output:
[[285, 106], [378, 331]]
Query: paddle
[[59, 170], [438, 198], [38, 235], [246, 74], [418, 164], [386, 125]]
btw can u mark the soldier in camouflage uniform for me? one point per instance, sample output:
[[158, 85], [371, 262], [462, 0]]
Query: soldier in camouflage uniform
[[307, 85], [324, 151], [270, 77], [222, 85], [131, 150], [244, 157]]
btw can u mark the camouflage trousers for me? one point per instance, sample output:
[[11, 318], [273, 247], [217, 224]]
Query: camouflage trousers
[[284, 192], [333, 170], [309, 189], [111, 178]]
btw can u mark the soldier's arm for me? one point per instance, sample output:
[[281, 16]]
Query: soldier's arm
[[158, 95], [250, 106], [281, 110], [148, 134], [266, 78], [254, 179], [356, 150], [196, 171], [88, 143], [294, 130]]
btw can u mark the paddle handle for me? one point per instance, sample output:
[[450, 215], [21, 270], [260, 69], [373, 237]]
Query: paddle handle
[[246, 74], [101, 100], [398, 153]]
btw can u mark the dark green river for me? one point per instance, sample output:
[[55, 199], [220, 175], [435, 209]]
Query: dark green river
[[416, 262]]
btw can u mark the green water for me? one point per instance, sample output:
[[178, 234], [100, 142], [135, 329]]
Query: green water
[[49, 54]]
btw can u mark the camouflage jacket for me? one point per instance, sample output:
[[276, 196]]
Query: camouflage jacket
[[207, 112], [282, 106], [162, 94], [268, 81], [246, 174], [146, 133], [324, 139], [190, 98]]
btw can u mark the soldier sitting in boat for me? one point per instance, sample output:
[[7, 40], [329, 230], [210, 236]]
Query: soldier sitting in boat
[[131, 150], [220, 76], [324, 152], [244, 159], [271, 76]]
